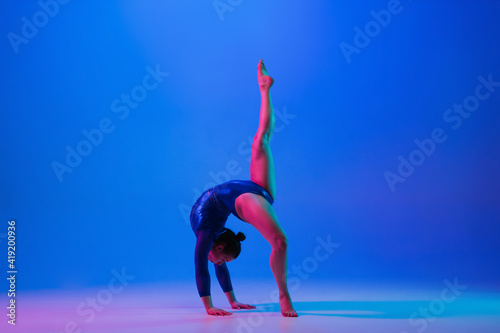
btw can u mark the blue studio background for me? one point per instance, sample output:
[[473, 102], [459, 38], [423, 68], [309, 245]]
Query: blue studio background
[[116, 115]]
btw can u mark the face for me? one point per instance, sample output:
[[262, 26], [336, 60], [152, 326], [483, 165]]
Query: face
[[218, 257]]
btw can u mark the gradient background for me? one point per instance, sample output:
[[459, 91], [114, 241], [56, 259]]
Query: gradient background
[[126, 204]]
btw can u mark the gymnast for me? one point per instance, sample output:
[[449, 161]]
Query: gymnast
[[250, 201]]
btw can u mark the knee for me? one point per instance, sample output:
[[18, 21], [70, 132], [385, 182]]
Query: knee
[[262, 139], [280, 243]]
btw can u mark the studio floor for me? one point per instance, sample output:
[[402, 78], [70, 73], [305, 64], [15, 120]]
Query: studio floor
[[322, 307]]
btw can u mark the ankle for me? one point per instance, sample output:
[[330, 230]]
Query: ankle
[[284, 296], [265, 83]]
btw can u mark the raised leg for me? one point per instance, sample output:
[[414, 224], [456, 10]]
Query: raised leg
[[262, 164], [255, 209]]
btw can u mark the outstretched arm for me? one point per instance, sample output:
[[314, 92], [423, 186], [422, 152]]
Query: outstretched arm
[[224, 278], [204, 243], [222, 273]]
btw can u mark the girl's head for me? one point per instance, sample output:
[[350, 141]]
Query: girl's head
[[227, 247]]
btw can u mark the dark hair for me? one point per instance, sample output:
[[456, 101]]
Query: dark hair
[[231, 242]]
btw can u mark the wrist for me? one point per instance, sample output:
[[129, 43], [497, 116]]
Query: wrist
[[230, 297], [207, 301]]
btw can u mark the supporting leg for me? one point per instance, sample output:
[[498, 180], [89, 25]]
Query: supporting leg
[[255, 209]]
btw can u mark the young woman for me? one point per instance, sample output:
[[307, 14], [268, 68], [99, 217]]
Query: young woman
[[250, 201]]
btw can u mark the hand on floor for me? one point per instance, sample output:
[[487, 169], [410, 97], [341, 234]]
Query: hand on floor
[[213, 311], [239, 306]]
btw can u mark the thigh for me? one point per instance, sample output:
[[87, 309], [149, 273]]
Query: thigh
[[256, 210], [262, 166]]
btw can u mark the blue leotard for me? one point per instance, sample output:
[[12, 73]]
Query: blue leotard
[[208, 218]]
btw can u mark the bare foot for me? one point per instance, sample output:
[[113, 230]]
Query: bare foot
[[265, 81], [287, 307]]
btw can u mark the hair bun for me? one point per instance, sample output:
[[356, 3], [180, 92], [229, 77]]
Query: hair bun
[[240, 237]]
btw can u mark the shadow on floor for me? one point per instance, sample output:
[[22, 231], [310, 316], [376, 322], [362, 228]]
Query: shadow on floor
[[391, 309]]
